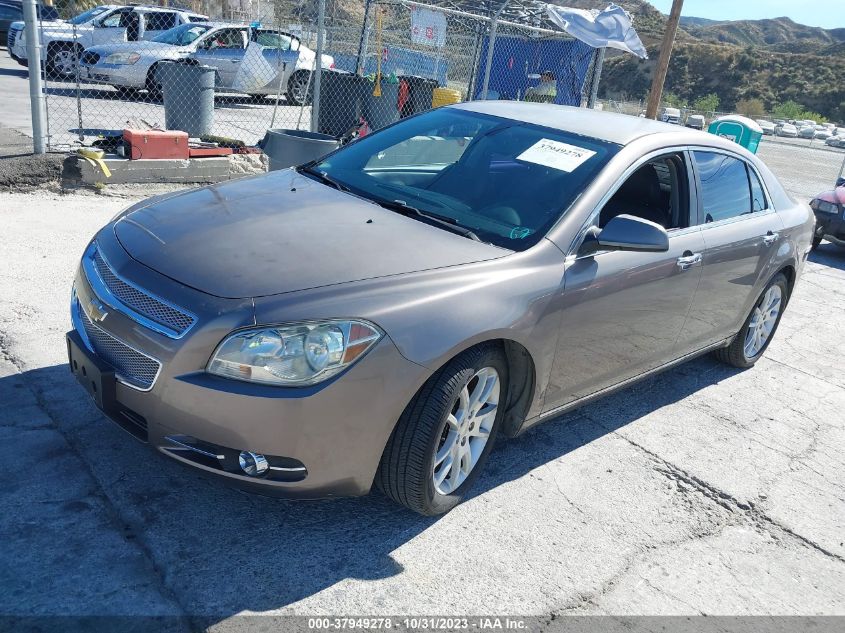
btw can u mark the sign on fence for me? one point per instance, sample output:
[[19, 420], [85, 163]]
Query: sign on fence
[[428, 27]]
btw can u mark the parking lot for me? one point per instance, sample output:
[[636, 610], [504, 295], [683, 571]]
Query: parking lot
[[705, 490], [236, 116]]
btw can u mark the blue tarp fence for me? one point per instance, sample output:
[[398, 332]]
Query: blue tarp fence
[[400, 61], [514, 58]]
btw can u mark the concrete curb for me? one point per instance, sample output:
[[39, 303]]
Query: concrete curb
[[78, 171]]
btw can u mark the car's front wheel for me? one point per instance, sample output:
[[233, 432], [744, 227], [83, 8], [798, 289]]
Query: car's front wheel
[[445, 434], [62, 60], [760, 326]]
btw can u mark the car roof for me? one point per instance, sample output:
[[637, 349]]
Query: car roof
[[606, 126]]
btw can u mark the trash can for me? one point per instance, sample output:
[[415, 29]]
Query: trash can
[[739, 129], [286, 148], [420, 94], [188, 97], [381, 111], [341, 95]]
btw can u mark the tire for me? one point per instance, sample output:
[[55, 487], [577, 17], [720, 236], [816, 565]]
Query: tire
[[296, 88], [154, 92], [62, 61], [740, 353], [439, 422]]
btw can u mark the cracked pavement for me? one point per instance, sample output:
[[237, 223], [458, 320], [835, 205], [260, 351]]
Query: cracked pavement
[[704, 490]]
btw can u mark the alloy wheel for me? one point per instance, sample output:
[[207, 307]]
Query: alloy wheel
[[299, 87], [466, 431], [64, 62], [763, 321]]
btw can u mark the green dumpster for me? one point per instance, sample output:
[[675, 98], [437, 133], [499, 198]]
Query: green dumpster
[[738, 129]]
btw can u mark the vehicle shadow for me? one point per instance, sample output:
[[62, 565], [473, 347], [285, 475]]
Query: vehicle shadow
[[223, 551], [14, 72], [89, 91], [829, 254]]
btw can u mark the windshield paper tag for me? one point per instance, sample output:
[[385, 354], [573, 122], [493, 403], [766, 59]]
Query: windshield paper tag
[[556, 155]]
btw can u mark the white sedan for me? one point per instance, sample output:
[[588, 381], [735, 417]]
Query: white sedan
[[255, 61]]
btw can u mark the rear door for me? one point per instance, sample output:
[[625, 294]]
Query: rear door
[[741, 235]]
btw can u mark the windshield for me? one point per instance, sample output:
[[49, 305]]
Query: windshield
[[87, 16], [181, 35], [506, 181]]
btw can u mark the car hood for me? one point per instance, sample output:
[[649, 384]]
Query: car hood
[[283, 232]]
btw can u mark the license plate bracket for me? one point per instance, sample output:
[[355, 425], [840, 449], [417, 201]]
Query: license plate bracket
[[95, 375]]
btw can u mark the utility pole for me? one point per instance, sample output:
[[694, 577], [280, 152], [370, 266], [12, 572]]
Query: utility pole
[[663, 60]]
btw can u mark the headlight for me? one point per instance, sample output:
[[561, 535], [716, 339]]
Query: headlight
[[123, 59], [294, 354]]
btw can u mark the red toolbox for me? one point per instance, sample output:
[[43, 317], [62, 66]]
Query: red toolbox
[[156, 143]]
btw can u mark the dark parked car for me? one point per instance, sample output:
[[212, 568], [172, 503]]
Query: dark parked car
[[12, 11], [829, 207], [380, 316]]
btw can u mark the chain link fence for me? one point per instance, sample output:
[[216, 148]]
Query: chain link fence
[[228, 70]]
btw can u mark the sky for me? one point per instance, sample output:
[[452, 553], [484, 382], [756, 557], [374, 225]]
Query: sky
[[828, 14]]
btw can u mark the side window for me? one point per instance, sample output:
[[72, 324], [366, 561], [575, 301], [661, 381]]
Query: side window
[[271, 39], [225, 38], [658, 191], [758, 196], [160, 21], [114, 19], [725, 192]]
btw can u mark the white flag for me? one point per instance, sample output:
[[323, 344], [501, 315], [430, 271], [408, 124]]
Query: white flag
[[609, 28]]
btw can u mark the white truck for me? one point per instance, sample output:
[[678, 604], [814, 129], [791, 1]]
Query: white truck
[[63, 42]]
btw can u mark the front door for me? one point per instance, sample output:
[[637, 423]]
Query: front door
[[224, 50], [623, 311]]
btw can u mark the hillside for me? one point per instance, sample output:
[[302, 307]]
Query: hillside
[[772, 60]]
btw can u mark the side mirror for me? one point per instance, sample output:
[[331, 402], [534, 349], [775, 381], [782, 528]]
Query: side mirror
[[627, 233]]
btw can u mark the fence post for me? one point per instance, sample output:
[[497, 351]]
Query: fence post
[[359, 66], [33, 55], [594, 87], [491, 42], [318, 69]]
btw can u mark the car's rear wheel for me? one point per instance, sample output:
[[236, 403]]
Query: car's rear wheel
[[300, 87], [760, 326], [445, 434]]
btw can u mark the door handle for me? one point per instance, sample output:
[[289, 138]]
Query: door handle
[[770, 238], [688, 260]]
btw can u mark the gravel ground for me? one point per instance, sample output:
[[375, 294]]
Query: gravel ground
[[703, 490]]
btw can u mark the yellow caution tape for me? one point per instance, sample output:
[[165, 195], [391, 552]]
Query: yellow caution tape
[[95, 158]]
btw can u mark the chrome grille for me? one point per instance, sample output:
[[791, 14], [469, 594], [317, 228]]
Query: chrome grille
[[11, 37], [148, 306], [133, 367]]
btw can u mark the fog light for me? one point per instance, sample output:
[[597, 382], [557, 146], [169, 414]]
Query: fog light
[[253, 464]]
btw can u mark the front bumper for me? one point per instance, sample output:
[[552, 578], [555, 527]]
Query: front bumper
[[126, 75], [325, 440]]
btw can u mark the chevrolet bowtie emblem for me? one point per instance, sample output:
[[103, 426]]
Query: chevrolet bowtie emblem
[[98, 311]]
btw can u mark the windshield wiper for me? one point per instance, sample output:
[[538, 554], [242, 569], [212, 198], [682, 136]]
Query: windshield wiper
[[446, 222], [324, 178]]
